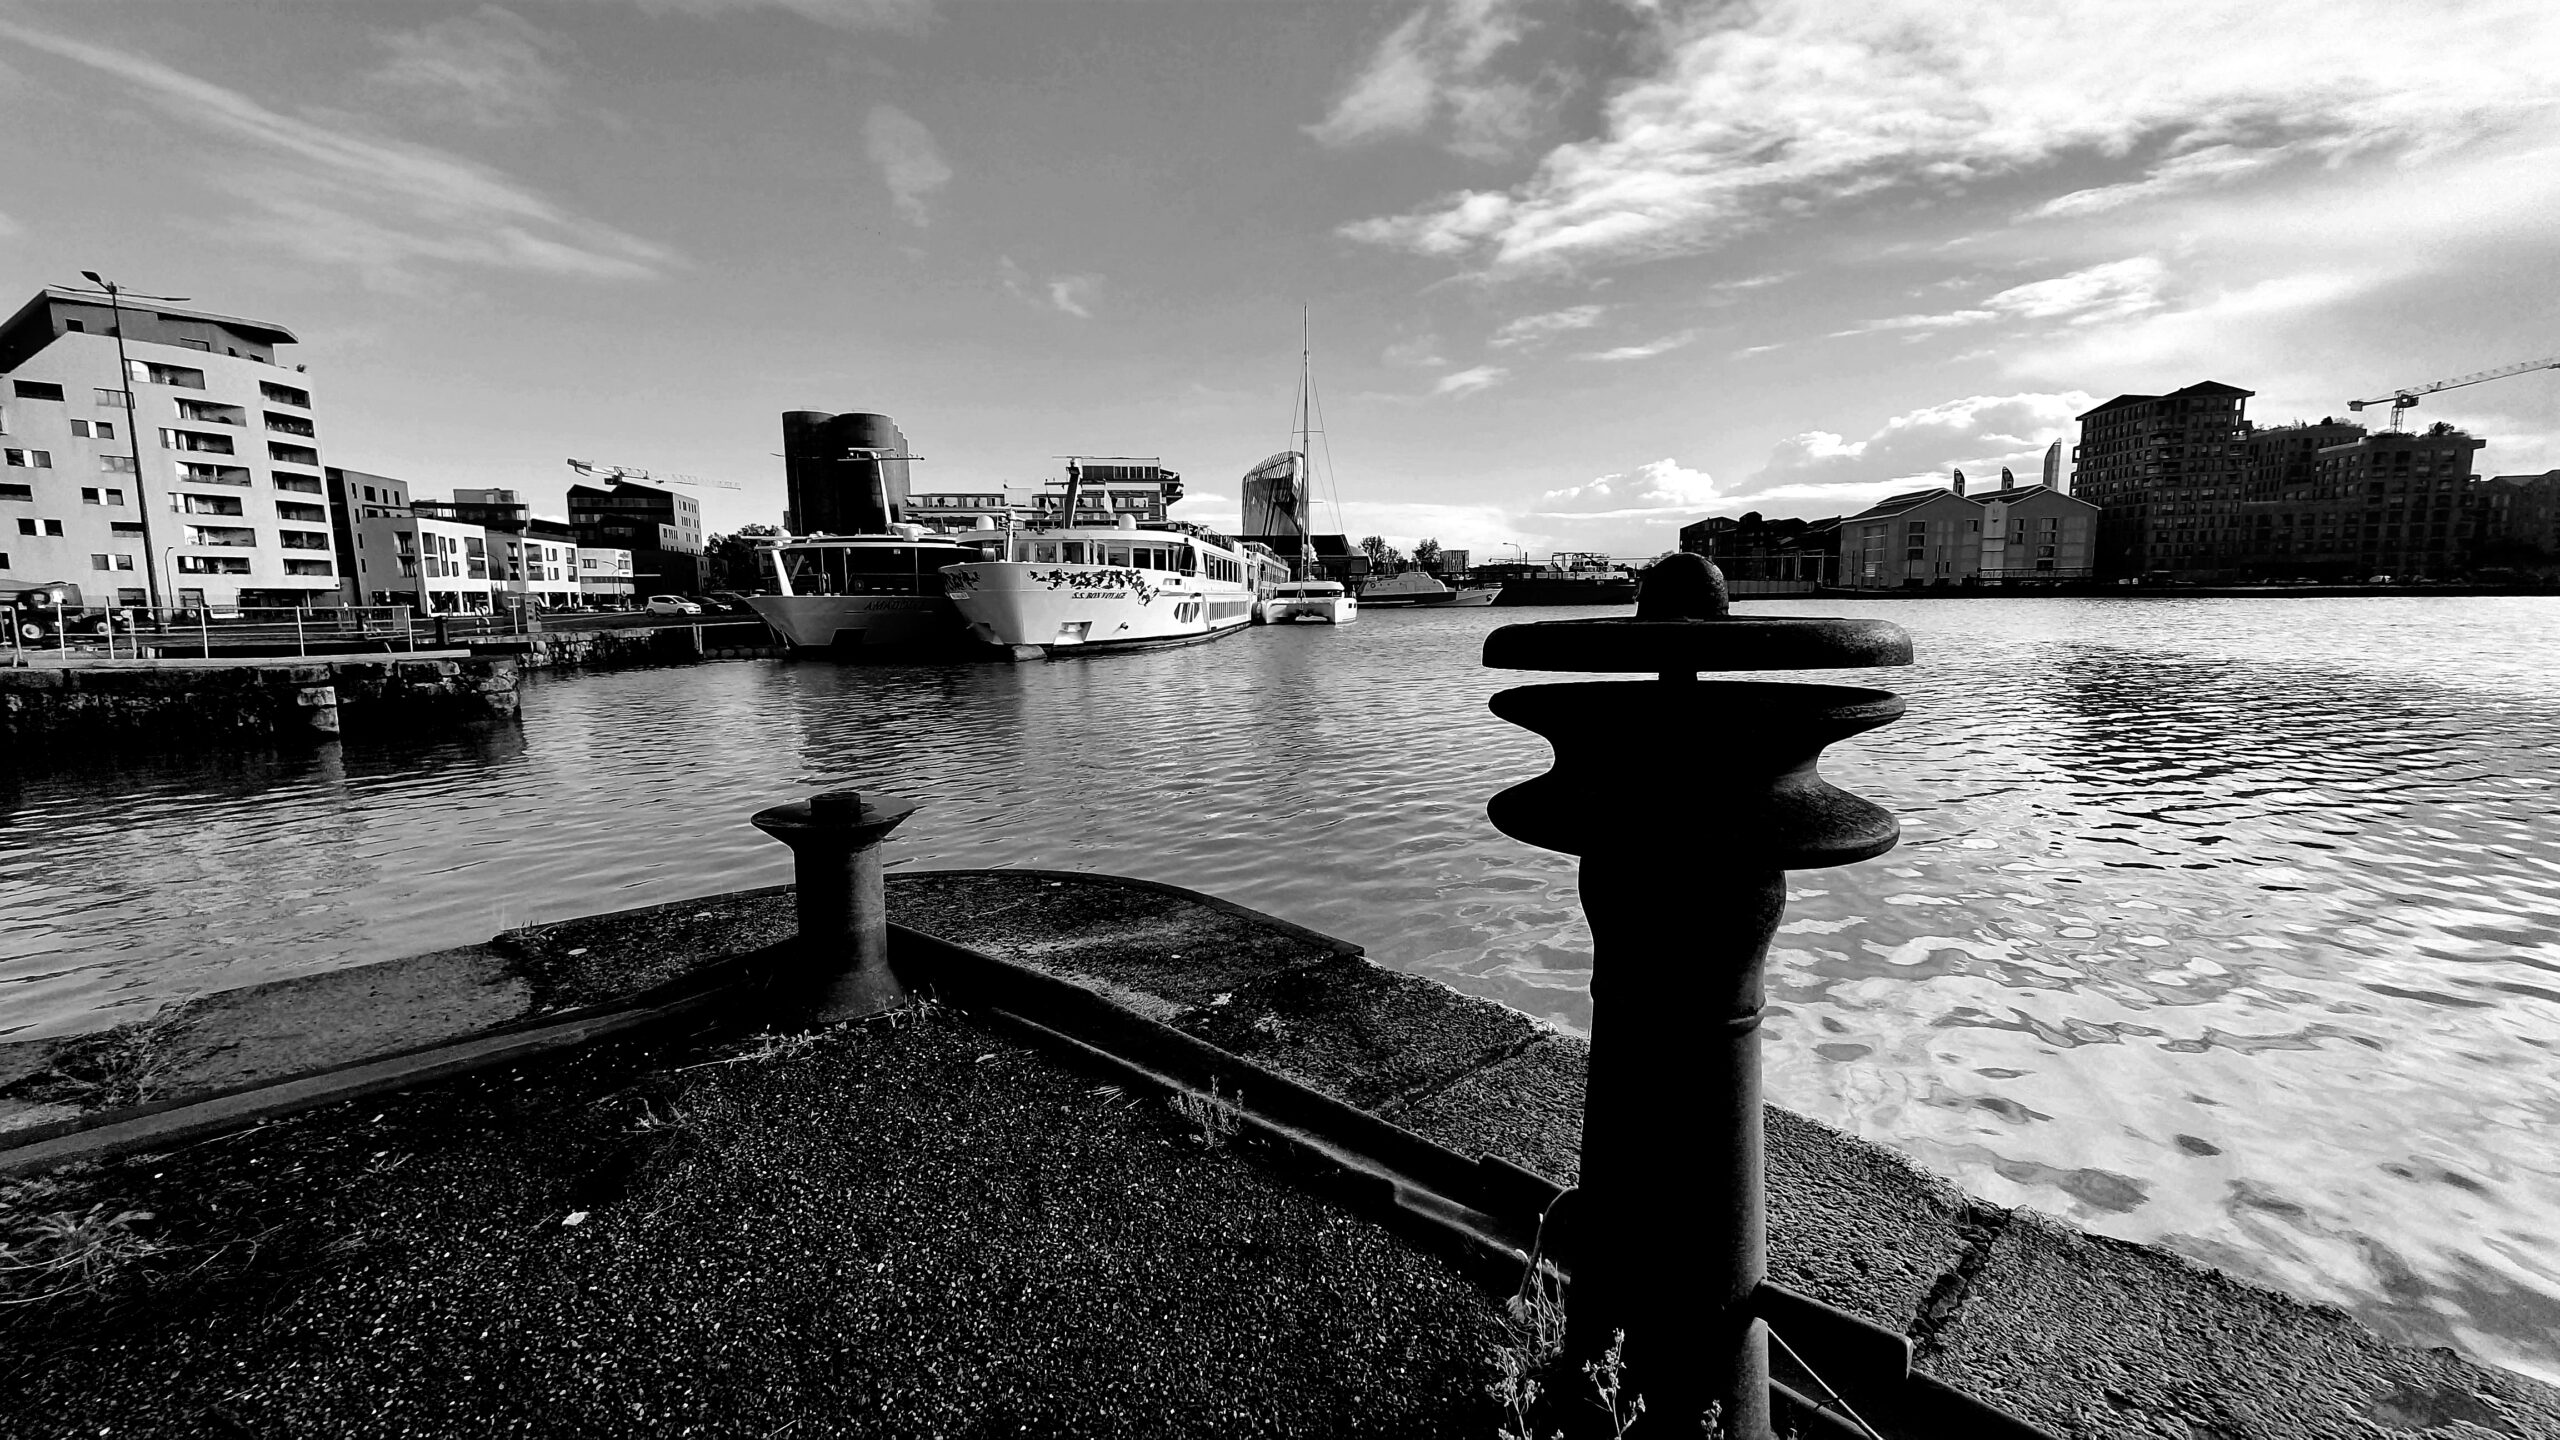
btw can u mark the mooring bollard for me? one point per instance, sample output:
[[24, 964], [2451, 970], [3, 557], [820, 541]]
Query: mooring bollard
[[1667, 1236], [844, 913]]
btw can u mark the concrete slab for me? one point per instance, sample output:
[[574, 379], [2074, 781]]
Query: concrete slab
[[1363, 1034], [2092, 1337], [598, 958], [1525, 1106]]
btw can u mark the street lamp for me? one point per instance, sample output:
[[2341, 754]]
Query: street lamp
[[132, 426]]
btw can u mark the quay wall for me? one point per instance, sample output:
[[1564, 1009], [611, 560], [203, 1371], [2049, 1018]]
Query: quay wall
[[637, 646], [178, 705]]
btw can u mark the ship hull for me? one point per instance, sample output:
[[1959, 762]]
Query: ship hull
[[1062, 608], [1534, 591], [839, 623]]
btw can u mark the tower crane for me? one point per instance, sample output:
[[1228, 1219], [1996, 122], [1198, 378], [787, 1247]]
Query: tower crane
[[593, 471], [2400, 400]]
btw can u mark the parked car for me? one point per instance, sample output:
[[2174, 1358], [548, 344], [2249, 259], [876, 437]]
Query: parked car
[[727, 602], [671, 605], [57, 608]]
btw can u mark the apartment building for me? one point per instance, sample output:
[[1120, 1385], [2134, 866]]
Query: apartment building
[[661, 529], [185, 472], [604, 578], [2519, 521], [2013, 535], [2165, 472]]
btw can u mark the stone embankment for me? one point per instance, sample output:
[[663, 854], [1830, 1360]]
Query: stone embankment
[[923, 1224], [637, 646], [121, 705]]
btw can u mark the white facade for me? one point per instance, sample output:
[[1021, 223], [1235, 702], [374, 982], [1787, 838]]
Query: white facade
[[604, 577], [224, 499]]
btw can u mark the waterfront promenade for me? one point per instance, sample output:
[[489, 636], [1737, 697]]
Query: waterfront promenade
[[2176, 875]]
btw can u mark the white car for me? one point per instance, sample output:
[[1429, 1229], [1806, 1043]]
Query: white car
[[672, 605]]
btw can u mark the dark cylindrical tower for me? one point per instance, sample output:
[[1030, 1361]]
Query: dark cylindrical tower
[[837, 486]]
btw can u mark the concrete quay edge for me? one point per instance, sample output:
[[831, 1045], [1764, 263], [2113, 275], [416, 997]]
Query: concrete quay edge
[[2083, 1335]]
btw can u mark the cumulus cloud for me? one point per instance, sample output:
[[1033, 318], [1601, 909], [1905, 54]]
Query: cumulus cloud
[[1468, 382], [1795, 106], [1658, 491], [910, 163], [1535, 329], [491, 68], [326, 190], [2117, 290], [1819, 470], [1436, 68]]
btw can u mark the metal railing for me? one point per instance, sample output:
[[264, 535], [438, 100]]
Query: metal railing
[[141, 632]]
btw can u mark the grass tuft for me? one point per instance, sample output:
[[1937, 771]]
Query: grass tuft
[[54, 1254], [1213, 1117]]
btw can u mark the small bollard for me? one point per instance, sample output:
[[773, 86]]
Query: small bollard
[[1666, 1239], [844, 913]]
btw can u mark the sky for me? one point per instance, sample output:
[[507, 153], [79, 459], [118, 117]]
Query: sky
[[1573, 274]]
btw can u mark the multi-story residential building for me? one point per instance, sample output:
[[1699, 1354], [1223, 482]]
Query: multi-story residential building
[[405, 552], [2013, 535], [1757, 550], [661, 529], [188, 470], [604, 578], [2519, 524], [2165, 472], [2390, 503]]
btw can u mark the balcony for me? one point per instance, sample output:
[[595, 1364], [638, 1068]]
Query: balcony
[[284, 395], [195, 440], [299, 484], [292, 454], [191, 474], [212, 537], [290, 425], [207, 413], [301, 540]]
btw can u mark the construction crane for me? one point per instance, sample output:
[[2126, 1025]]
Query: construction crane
[[2400, 400], [608, 473]]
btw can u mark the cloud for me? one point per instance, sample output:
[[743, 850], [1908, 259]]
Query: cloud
[[2117, 290], [329, 192], [1468, 382], [490, 68], [1436, 66], [1980, 433], [1644, 351], [909, 16], [1793, 107], [910, 163], [1074, 295], [2194, 170], [1652, 493], [1536, 329], [1418, 351]]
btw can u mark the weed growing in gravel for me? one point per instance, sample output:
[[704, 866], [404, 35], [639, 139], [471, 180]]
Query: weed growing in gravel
[[1213, 1116], [49, 1254]]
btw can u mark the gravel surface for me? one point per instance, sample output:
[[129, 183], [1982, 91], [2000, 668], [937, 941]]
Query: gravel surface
[[908, 1228]]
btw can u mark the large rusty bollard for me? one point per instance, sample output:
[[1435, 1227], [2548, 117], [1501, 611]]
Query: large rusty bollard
[[1667, 1238], [844, 912]]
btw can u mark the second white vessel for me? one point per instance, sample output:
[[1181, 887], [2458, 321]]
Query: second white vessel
[[1047, 589]]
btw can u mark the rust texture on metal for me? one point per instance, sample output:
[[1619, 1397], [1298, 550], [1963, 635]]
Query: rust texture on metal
[[1682, 894]]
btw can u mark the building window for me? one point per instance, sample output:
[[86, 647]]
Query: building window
[[116, 398], [28, 459], [17, 492], [36, 389], [211, 565], [92, 495], [123, 597], [285, 395], [177, 375], [116, 464], [93, 429]]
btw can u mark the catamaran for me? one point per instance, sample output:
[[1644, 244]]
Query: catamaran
[[1048, 588], [1286, 479]]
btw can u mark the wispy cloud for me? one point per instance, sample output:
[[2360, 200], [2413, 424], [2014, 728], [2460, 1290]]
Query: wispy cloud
[[329, 192], [1468, 382], [910, 163], [491, 68], [1793, 107], [1535, 329], [910, 16], [2117, 290], [1075, 295], [1436, 67], [2193, 170], [1644, 351]]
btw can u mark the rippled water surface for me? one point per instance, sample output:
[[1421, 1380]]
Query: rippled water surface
[[2231, 924]]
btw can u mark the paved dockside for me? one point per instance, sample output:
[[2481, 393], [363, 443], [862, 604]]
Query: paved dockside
[[921, 1227]]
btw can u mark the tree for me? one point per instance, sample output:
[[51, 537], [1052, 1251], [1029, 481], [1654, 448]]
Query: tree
[[1383, 557], [1427, 554], [732, 560]]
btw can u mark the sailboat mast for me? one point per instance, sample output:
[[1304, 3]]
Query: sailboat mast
[[1302, 504]]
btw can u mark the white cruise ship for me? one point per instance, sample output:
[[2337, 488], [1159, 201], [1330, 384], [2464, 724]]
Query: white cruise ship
[[1061, 587]]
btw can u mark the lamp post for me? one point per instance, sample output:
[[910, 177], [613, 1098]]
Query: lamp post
[[132, 426]]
